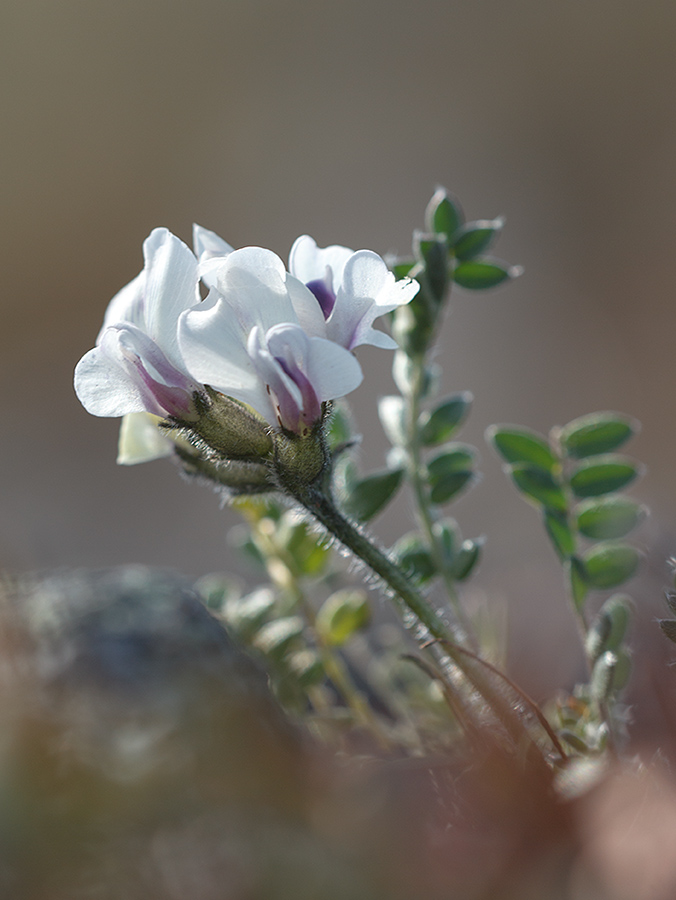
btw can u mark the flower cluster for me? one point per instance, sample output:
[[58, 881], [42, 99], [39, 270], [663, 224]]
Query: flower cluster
[[278, 342]]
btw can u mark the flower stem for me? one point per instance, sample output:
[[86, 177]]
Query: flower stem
[[427, 622]]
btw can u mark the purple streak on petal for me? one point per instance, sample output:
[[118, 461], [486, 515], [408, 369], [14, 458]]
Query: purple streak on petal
[[322, 288], [312, 408]]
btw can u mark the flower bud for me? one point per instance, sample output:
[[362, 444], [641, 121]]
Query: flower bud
[[231, 430]]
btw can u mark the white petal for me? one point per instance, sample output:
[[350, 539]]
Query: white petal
[[332, 370], [253, 283], [214, 348], [308, 311], [141, 440], [208, 242], [308, 262], [127, 305], [103, 386], [171, 287]]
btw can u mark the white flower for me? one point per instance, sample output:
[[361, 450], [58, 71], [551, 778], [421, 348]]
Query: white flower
[[259, 337], [351, 289], [141, 440], [136, 365]]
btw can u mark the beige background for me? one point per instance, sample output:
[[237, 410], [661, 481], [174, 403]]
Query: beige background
[[263, 120]]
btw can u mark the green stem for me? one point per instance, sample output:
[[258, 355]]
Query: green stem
[[415, 476], [426, 624]]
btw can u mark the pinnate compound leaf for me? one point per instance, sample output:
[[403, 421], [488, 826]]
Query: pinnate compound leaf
[[609, 564], [444, 214], [478, 275], [603, 475], [343, 614], [597, 433], [612, 516], [474, 237], [539, 486], [521, 445], [560, 533], [444, 420], [371, 494]]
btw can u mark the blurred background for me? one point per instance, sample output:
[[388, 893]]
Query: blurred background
[[265, 119]]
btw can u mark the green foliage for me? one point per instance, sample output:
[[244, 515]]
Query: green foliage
[[612, 516], [603, 475], [368, 496], [609, 564], [414, 557], [521, 445], [473, 238], [342, 615], [479, 275], [440, 424], [444, 214], [597, 433]]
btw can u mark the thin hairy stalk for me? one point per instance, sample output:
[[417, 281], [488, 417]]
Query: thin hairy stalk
[[426, 622]]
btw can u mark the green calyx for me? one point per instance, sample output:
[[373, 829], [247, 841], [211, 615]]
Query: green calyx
[[300, 460], [229, 429]]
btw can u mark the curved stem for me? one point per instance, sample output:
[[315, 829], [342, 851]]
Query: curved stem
[[426, 622]]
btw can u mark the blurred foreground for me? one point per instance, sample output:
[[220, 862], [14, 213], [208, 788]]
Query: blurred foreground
[[143, 757]]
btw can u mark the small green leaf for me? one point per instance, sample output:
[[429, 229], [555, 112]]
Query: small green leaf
[[603, 475], [371, 494], [305, 548], [275, 638], [609, 628], [602, 678], [444, 214], [478, 275], [451, 471], [521, 445], [433, 253], [608, 564], [597, 433], [392, 413], [612, 516], [474, 237], [447, 533], [456, 457], [577, 578], [560, 534], [466, 559], [444, 420], [668, 627], [343, 614], [245, 615], [539, 486], [414, 557], [307, 666]]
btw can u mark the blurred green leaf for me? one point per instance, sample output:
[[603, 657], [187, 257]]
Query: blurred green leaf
[[275, 638], [466, 559], [444, 214], [414, 558], [341, 615], [577, 578], [307, 666], [608, 564], [521, 445], [307, 549], [245, 615], [433, 253], [371, 494], [447, 533], [456, 457], [539, 486], [609, 628], [444, 420], [597, 433], [477, 275], [560, 533], [392, 413], [474, 237], [603, 475], [611, 516]]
